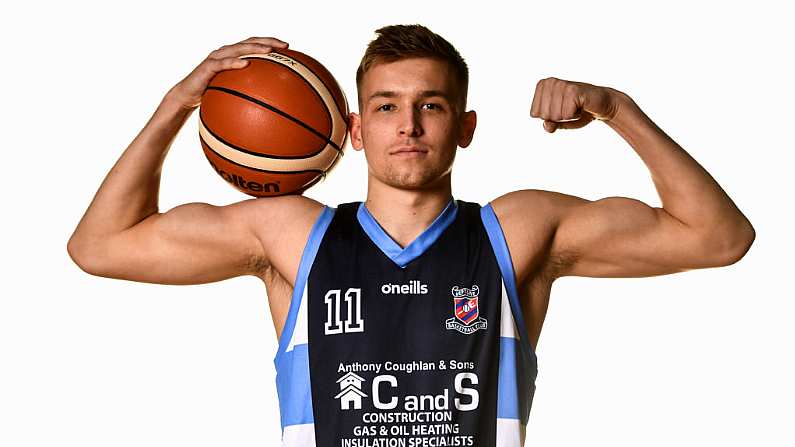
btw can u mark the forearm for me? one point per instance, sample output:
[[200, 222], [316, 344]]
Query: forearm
[[687, 191], [130, 190]]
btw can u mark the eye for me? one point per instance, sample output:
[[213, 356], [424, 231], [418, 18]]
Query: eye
[[434, 105], [381, 107]]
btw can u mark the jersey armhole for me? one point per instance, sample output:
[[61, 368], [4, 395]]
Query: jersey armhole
[[307, 258], [500, 248]]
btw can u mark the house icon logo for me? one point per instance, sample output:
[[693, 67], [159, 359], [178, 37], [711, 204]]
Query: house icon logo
[[350, 391]]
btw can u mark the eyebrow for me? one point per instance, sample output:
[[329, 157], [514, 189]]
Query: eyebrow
[[423, 94]]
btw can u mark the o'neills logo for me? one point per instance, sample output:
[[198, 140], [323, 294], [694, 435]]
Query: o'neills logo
[[414, 287], [465, 309], [236, 180]]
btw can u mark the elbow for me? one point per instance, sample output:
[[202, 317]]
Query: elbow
[[83, 255], [736, 246], [721, 248]]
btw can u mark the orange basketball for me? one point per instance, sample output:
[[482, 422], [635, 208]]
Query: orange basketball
[[276, 126]]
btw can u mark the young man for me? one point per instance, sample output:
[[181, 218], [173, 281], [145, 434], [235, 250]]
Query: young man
[[411, 316]]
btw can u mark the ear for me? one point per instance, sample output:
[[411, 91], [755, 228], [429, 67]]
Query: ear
[[355, 128], [467, 124]]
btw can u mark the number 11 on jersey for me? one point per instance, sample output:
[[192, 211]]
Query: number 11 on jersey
[[354, 321]]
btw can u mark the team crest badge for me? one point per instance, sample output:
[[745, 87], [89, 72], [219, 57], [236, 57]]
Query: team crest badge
[[466, 316]]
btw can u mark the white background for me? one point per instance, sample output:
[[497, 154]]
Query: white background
[[698, 358]]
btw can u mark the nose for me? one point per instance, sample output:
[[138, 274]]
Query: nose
[[410, 125]]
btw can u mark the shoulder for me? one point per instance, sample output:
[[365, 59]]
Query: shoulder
[[280, 213], [516, 202], [529, 219], [282, 225]]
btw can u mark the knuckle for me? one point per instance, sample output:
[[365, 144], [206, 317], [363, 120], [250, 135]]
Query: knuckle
[[571, 89]]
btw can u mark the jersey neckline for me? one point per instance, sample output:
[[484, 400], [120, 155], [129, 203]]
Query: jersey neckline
[[403, 256]]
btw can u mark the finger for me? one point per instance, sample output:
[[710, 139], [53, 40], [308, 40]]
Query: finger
[[556, 107], [570, 106], [546, 100], [229, 63], [535, 108], [586, 118], [270, 41], [550, 126], [236, 62], [239, 49]]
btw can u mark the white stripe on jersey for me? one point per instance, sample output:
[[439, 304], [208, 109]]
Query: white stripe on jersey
[[299, 435]]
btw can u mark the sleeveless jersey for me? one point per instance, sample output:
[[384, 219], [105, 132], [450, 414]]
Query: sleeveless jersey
[[417, 346]]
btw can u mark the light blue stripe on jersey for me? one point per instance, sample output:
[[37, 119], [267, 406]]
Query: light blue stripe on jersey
[[294, 388], [500, 247], [517, 359], [292, 367], [507, 388], [402, 256]]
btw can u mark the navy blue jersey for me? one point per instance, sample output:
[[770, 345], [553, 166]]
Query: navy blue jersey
[[417, 346]]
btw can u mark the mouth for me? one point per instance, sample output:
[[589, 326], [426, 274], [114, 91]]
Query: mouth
[[409, 150]]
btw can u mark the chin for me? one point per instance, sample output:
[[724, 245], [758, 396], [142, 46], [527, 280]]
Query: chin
[[412, 180]]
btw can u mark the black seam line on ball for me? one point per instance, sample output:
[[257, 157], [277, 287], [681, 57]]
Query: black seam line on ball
[[275, 110], [259, 154], [304, 79], [304, 171]]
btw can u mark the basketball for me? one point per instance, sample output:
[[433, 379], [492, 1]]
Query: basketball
[[276, 126]]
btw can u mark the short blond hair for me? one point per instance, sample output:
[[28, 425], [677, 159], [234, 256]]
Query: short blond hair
[[396, 42]]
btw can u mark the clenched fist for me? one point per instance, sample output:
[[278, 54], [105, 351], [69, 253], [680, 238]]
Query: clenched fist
[[571, 105]]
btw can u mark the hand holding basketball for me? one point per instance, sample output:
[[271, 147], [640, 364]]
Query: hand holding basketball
[[571, 105], [188, 92]]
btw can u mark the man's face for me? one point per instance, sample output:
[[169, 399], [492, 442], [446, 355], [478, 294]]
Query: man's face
[[410, 104]]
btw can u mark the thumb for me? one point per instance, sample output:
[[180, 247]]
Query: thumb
[[550, 126], [576, 124]]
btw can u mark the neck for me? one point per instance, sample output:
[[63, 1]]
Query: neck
[[405, 213]]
